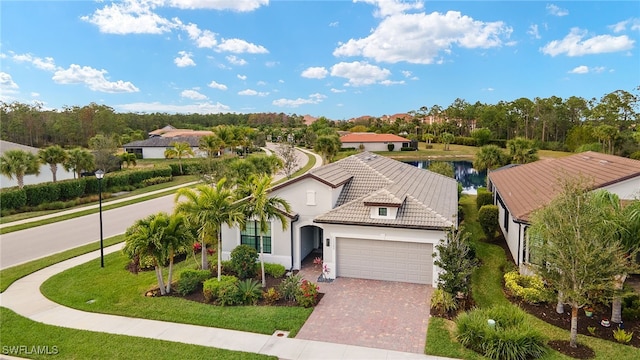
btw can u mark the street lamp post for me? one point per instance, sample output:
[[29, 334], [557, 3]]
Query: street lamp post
[[99, 176]]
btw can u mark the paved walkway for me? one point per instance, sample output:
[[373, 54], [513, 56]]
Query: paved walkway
[[24, 298], [378, 314]]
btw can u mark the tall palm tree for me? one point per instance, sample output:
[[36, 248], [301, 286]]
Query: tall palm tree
[[19, 163], [208, 208], [263, 208], [53, 155], [177, 236], [211, 144], [144, 238], [522, 151], [225, 134], [489, 157], [179, 151], [79, 159]]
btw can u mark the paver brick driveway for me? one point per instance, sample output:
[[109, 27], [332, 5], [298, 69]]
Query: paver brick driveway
[[379, 314]]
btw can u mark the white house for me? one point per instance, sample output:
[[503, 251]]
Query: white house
[[45, 170], [154, 147], [522, 189], [367, 215], [374, 142]]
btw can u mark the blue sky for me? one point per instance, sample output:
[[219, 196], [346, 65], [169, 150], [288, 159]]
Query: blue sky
[[339, 59]]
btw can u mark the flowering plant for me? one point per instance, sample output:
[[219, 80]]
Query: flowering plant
[[197, 247], [307, 293], [317, 261]]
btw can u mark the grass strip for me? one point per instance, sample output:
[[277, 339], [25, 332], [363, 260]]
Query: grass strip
[[64, 343], [114, 290]]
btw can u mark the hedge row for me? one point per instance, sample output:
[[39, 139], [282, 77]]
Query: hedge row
[[34, 195]]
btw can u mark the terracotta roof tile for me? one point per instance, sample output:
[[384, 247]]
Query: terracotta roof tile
[[526, 188], [371, 137]]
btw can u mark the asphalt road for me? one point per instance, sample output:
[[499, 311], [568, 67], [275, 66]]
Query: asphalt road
[[25, 245]]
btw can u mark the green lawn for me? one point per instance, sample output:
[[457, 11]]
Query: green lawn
[[64, 343], [117, 291], [487, 291]]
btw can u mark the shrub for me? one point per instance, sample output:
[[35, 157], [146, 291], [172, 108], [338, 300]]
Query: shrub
[[484, 197], [488, 219], [189, 280], [156, 180], [511, 338], [635, 155], [271, 296], [307, 295], [211, 287], [249, 292], [622, 336], [390, 147], [42, 193], [228, 294], [407, 148], [631, 307], [243, 261], [275, 270], [529, 288], [443, 302], [12, 199], [289, 287], [71, 189]]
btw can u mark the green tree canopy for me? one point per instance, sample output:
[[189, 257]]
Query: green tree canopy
[[19, 163], [53, 155]]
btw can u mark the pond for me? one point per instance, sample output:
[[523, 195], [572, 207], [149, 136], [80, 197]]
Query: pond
[[464, 172]]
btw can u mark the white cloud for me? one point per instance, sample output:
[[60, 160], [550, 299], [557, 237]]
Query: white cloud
[[391, 82], [236, 60], [633, 24], [203, 38], [334, 24], [7, 85], [242, 77], [204, 108], [129, 17], [251, 92], [337, 91], [574, 45], [360, 73], [533, 31], [184, 59], [392, 7], [193, 95], [94, 79], [261, 83], [582, 69], [234, 5], [47, 63], [271, 63], [218, 86], [315, 73], [419, 38], [35, 94], [293, 103], [239, 46], [555, 10]]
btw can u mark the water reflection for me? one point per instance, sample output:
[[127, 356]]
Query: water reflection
[[464, 172]]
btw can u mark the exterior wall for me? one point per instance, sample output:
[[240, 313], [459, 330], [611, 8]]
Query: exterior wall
[[332, 231], [158, 152], [45, 176], [375, 146], [626, 190], [510, 229], [280, 243]]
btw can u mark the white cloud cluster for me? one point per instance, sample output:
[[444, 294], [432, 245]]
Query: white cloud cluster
[[184, 59], [240, 46], [204, 108], [232, 59], [315, 73], [419, 38], [7, 85], [533, 31], [251, 92], [130, 17], [360, 73], [392, 7], [193, 95], [633, 24], [575, 44], [583, 69], [233, 5], [47, 63], [216, 85], [555, 10], [294, 103], [92, 78]]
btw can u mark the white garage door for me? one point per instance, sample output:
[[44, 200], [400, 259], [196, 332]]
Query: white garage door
[[385, 260]]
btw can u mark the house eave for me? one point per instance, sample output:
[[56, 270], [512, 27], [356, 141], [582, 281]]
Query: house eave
[[396, 226]]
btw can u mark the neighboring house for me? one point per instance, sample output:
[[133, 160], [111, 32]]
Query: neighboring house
[[45, 169], [367, 215], [520, 190], [154, 147], [374, 142], [170, 131]]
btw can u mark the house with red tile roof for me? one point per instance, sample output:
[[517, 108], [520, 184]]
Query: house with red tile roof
[[373, 141], [520, 190]]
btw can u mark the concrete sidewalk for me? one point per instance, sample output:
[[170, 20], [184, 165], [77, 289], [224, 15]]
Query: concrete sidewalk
[[24, 298]]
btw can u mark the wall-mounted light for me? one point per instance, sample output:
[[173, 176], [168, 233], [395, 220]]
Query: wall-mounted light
[[328, 242]]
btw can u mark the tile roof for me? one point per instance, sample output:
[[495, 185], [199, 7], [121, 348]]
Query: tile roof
[[371, 137], [187, 132], [158, 141], [526, 188], [426, 200]]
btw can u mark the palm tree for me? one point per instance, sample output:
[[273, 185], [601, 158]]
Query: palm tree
[[263, 209], [211, 144], [177, 235], [522, 151], [447, 138], [19, 163], [490, 157], [207, 208], [179, 150], [144, 238], [53, 155], [129, 159], [225, 134], [328, 146], [79, 159]]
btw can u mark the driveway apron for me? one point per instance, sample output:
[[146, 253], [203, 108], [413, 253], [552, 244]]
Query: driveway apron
[[379, 314]]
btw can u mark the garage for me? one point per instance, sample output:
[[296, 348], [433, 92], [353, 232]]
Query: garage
[[385, 260]]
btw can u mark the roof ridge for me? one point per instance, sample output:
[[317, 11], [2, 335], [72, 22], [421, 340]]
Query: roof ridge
[[374, 169], [437, 214]]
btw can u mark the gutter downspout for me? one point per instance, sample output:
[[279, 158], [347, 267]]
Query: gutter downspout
[[519, 242], [292, 221]]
